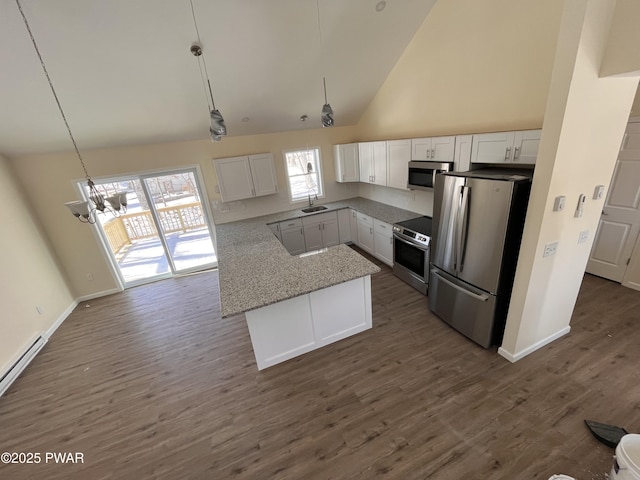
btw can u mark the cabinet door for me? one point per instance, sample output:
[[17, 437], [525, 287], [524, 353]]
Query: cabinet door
[[398, 157], [492, 147], [313, 237], [420, 149], [293, 240], [383, 241], [442, 149], [344, 225], [353, 223], [234, 178], [365, 237], [330, 235], [365, 154], [526, 145], [263, 173], [462, 153], [346, 160], [275, 228], [380, 163]]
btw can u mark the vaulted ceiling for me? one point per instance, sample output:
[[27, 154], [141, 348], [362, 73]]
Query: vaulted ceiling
[[124, 73]]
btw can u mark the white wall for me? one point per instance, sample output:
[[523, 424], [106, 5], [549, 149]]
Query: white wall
[[75, 243], [584, 123], [30, 275]]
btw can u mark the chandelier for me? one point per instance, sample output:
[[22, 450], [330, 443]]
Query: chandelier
[[83, 211]]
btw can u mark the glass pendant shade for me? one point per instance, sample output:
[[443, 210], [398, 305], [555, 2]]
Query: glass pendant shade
[[80, 210], [327, 115], [118, 201], [218, 127]]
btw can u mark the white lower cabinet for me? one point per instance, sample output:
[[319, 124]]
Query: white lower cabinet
[[353, 224], [275, 228], [383, 241], [292, 327], [365, 233], [321, 231], [344, 225], [292, 236]]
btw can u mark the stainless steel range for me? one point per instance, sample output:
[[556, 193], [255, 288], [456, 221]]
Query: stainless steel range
[[411, 241]]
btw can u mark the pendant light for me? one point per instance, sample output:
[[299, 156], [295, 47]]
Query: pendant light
[[327, 112], [217, 128], [83, 211]]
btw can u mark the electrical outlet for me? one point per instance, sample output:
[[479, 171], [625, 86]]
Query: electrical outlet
[[89, 277], [583, 236], [550, 249], [39, 310]]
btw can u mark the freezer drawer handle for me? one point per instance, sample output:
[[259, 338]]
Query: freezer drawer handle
[[482, 298]]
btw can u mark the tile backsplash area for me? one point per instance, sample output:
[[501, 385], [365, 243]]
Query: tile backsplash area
[[419, 201]]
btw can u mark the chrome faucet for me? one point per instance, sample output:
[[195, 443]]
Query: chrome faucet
[[311, 201]]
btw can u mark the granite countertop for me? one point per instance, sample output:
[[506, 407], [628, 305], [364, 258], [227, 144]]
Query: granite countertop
[[256, 270]]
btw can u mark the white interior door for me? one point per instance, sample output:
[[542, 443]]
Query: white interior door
[[620, 221]]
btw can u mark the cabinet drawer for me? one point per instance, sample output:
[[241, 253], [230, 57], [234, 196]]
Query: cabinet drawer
[[365, 218], [296, 222], [382, 227], [319, 218]]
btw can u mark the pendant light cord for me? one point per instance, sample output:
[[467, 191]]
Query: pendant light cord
[[204, 63], [55, 95]]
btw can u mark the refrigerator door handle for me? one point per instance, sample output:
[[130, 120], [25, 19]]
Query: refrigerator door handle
[[481, 297], [456, 235], [466, 194]]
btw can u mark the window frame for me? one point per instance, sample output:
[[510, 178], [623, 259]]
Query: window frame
[[319, 173]]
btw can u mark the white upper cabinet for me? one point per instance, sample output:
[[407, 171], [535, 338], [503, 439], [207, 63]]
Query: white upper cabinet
[[346, 160], [246, 177], [263, 173], [398, 157], [373, 162], [506, 147], [462, 155], [526, 144], [435, 149]]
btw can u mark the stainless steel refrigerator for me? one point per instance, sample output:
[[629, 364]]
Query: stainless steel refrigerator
[[478, 218]]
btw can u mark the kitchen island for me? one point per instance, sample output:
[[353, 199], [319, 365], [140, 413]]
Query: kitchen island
[[295, 304]]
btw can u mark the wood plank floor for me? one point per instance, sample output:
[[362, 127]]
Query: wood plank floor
[[153, 384]]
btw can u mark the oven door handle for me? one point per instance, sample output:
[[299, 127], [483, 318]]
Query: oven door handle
[[417, 245]]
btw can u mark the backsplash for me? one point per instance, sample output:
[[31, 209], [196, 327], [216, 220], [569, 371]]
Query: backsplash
[[418, 201], [224, 212]]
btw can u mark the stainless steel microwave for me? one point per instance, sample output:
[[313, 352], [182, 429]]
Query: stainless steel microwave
[[422, 175]]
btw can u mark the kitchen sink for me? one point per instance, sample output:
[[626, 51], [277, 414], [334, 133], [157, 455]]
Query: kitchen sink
[[314, 209]]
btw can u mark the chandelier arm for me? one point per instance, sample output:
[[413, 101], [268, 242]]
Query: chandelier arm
[[55, 95]]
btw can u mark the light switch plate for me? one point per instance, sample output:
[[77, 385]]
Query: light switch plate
[[558, 204], [598, 192]]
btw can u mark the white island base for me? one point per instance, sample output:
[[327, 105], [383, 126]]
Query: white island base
[[292, 327]]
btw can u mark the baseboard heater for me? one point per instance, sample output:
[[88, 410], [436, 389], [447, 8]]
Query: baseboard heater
[[16, 369]]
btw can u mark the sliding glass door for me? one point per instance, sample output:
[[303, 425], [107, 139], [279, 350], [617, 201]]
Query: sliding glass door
[[165, 230]]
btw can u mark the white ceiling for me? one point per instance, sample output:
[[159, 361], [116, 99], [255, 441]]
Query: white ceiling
[[124, 74]]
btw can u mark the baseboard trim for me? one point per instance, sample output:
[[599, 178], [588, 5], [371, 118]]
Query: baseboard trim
[[514, 357], [52, 329], [93, 296]]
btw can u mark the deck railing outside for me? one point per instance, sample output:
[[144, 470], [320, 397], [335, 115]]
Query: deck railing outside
[[123, 230]]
